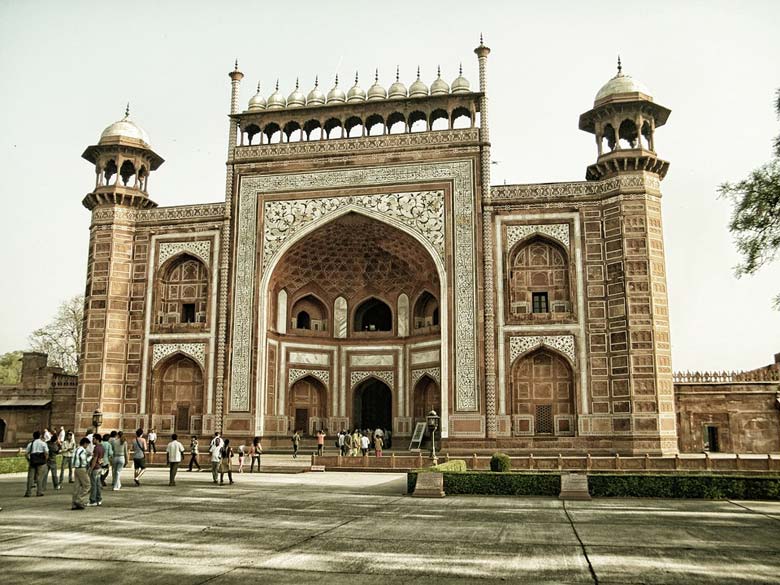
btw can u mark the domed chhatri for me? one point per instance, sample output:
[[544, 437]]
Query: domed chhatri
[[315, 97], [276, 100], [257, 101], [398, 89], [376, 91], [336, 94], [356, 93], [460, 84], [621, 84], [296, 99], [124, 128], [418, 88], [439, 86]]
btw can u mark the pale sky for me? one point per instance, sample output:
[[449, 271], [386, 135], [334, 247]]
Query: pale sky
[[68, 68]]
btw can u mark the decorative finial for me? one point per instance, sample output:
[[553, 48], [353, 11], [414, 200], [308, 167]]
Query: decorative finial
[[337, 79], [236, 68], [376, 75], [258, 87], [418, 72], [127, 110], [277, 84], [397, 73], [316, 81], [296, 83], [620, 66], [356, 77], [460, 69], [481, 42], [438, 71]]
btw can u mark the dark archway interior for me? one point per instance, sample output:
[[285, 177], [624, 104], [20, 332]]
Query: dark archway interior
[[373, 405], [373, 315]]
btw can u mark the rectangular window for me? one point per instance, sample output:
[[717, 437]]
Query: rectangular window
[[540, 302], [188, 313], [544, 419]]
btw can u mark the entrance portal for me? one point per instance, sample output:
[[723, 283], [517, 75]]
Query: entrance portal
[[372, 405]]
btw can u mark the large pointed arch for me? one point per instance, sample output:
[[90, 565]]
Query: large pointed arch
[[265, 296]]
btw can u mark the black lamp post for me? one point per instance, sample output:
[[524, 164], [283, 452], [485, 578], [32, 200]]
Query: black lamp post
[[433, 424], [97, 419]]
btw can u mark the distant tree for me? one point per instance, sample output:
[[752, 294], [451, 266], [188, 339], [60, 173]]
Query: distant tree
[[61, 337], [755, 218], [11, 367]]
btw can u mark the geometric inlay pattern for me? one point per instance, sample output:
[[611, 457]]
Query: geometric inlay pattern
[[434, 373], [196, 351], [422, 211], [557, 231], [296, 374], [201, 249], [388, 377], [520, 345]]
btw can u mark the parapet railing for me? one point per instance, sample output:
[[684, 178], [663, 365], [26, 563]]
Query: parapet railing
[[762, 375]]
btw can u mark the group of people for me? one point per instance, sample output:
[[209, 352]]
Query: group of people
[[96, 456], [362, 442]]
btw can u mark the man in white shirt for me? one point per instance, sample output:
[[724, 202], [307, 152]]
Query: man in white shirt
[[83, 484], [37, 452], [61, 434], [364, 442], [151, 438], [174, 452], [216, 455]]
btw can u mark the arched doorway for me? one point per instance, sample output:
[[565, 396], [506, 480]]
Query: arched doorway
[[178, 391], [426, 398], [306, 405], [372, 405], [2, 430]]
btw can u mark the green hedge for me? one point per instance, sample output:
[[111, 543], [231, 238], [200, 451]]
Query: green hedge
[[712, 487], [13, 464], [495, 483], [455, 465], [500, 462]]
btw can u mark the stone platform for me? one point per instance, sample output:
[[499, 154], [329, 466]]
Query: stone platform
[[335, 528]]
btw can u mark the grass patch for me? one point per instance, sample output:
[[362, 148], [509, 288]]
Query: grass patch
[[13, 464]]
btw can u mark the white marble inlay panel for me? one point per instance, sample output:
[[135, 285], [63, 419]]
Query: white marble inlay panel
[[200, 249], [524, 344], [371, 360], [557, 231], [196, 351], [424, 357], [304, 357]]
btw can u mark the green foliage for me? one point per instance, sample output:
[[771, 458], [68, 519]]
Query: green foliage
[[755, 218], [11, 367], [713, 487], [61, 337], [495, 483], [500, 462], [454, 465], [13, 464]]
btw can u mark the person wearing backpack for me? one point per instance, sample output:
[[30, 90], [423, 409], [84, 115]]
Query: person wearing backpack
[[37, 453]]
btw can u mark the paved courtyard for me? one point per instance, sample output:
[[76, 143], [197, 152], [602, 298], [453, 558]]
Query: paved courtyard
[[359, 528]]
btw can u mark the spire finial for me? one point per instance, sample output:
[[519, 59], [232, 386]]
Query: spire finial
[[620, 66], [460, 69], [418, 72], [127, 110], [356, 77], [316, 81], [481, 41], [438, 71], [277, 84], [258, 87], [376, 75], [397, 73], [337, 79], [296, 83], [236, 66]]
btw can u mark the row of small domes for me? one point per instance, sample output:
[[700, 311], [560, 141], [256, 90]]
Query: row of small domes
[[276, 101]]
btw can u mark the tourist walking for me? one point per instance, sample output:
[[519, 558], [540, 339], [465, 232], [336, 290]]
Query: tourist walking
[[36, 452], [51, 463], [215, 449], [340, 443], [174, 452], [194, 453], [225, 464], [320, 441], [378, 446], [95, 471], [364, 442], [152, 438], [355, 442], [255, 453], [82, 483], [347, 443], [139, 459], [61, 435], [296, 442], [119, 444], [46, 435], [108, 458], [68, 448], [241, 454]]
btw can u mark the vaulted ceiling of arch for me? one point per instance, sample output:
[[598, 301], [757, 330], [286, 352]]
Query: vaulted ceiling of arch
[[354, 253]]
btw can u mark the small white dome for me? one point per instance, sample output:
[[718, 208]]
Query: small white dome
[[621, 84], [418, 88], [376, 91], [398, 89], [460, 84], [125, 128], [356, 93], [315, 97], [439, 86], [336, 95], [257, 101], [276, 100], [296, 99]]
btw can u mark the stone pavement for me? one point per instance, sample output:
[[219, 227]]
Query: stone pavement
[[359, 529]]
